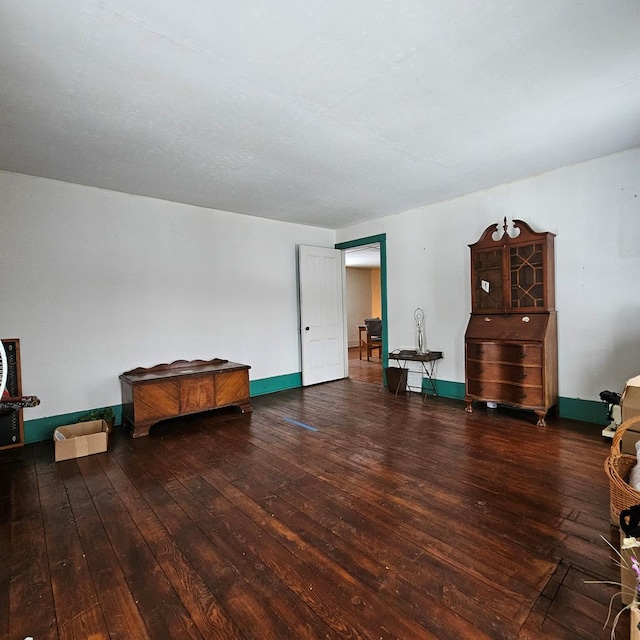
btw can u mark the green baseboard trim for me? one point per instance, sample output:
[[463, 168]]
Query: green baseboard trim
[[274, 384], [571, 408], [583, 410], [42, 428], [446, 389]]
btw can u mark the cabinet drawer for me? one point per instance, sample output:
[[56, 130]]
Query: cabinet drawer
[[504, 372], [502, 352], [519, 395]]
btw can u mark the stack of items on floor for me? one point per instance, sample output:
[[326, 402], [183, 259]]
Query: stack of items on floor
[[624, 457], [630, 407], [623, 470]]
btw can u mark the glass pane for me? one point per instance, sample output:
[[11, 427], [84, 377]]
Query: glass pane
[[527, 288], [487, 287]]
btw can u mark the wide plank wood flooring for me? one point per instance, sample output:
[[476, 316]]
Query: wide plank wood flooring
[[336, 511]]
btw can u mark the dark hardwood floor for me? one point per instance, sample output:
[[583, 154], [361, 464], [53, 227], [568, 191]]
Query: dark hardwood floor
[[395, 518], [365, 370]]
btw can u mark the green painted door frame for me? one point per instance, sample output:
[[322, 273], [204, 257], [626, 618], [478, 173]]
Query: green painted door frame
[[380, 239]]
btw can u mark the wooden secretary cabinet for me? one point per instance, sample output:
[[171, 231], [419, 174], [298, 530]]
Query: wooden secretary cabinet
[[511, 340]]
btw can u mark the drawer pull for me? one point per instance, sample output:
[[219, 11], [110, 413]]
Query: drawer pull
[[523, 375], [522, 395], [523, 354]]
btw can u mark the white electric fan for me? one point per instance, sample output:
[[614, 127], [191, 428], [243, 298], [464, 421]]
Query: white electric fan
[[7, 402], [3, 370]]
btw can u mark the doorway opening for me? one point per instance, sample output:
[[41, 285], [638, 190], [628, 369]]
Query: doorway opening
[[366, 297]]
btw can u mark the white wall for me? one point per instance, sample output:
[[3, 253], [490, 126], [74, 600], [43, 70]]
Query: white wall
[[376, 293], [95, 282], [358, 301], [593, 207]]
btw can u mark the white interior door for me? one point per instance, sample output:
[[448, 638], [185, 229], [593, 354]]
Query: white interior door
[[322, 333]]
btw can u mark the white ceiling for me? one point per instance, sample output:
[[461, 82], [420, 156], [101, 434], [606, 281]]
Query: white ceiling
[[325, 113], [364, 257]]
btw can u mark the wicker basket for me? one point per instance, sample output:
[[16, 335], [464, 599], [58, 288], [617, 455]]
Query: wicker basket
[[617, 467]]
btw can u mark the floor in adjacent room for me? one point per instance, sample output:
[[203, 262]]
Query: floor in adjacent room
[[365, 370], [333, 511]]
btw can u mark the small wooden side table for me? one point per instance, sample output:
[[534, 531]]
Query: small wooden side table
[[428, 361]]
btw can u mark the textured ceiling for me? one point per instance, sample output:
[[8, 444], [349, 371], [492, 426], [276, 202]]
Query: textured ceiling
[[324, 113]]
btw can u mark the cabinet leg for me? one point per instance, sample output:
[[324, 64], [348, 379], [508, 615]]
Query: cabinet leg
[[245, 407], [469, 407], [140, 431], [541, 418]]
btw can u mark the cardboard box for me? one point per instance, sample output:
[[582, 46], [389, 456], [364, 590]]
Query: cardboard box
[[80, 439], [630, 406]]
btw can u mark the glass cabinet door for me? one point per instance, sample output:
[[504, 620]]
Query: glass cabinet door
[[526, 271], [488, 284]]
